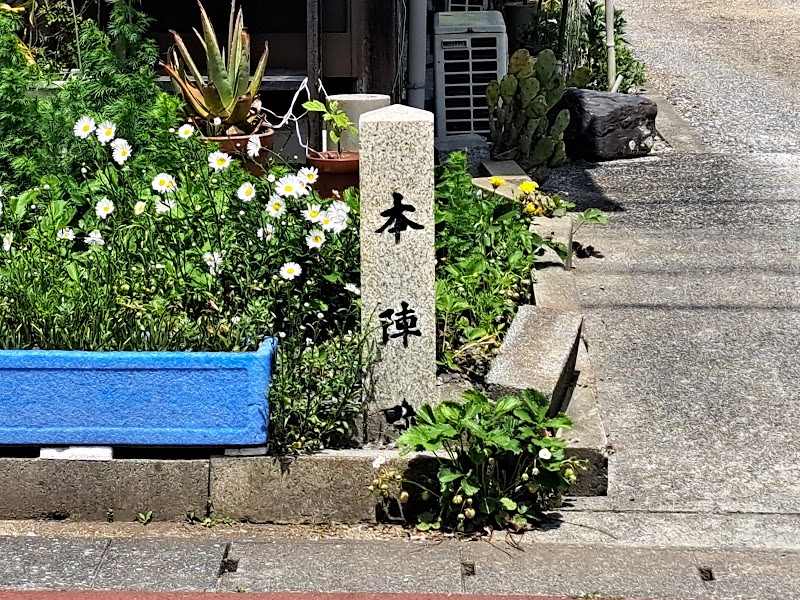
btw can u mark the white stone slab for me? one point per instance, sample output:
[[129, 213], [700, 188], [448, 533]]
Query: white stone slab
[[77, 453]]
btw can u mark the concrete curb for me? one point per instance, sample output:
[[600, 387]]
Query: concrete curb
[[673, 128], [87, 490]]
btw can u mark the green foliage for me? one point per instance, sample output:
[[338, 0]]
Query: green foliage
[[145, 518], [50, 33], [316, 394], [595, 53], [118, 77], [335, 117], [521, 126], [229, 94], [501, 464], [485, 253]]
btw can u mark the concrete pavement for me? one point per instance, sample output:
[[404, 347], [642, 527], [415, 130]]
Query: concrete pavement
[[438, 565]]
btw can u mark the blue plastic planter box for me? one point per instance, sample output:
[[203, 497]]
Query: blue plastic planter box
[[135, 398]]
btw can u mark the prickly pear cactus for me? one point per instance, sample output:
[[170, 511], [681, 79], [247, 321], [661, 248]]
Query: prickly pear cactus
[[520, 120]]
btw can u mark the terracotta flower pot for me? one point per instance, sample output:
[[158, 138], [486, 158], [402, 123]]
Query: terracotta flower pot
[[237, 144], [336, 171]]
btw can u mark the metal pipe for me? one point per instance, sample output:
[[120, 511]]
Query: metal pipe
[[417, 25], [611, 44], [617, 83]]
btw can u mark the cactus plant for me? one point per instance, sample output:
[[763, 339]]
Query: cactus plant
[[520, 120]]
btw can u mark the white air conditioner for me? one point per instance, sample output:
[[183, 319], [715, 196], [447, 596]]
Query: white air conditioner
[[471, 50], [461, 5]]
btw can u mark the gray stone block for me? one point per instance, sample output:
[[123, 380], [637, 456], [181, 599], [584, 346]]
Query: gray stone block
[[539, 352], [84, 490], [608, 126], [327, 487], [473, 145], [161, 565]]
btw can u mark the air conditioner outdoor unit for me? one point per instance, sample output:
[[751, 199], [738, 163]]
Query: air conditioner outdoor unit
[[461, 5], [471, 50]]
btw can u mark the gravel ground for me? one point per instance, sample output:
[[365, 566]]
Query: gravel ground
[[728, 66]]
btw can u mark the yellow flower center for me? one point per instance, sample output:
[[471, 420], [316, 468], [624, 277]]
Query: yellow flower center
[[220, 161], [289, 188], [108, 132], [290, 270], [313, 214], [248, 192], [162, 182], [276, 206], [317, 239], [86, 128], [310, 177]]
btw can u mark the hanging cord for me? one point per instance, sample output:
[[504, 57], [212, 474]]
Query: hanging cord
[[289, 116]]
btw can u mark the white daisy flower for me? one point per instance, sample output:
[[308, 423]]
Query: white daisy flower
[[66, 234], [219, 160], [287, 186], [353, 289], [315, 238], [8, 239], [313, 213], [213, 260], [339, 206], [276, 207], [246, 192], [84, 127], [164, 206], [121, 150], [309, 175], [106, 132], [332, 221], [339, 224], [186, 131], [217, 121], [302, 188], [545, 454], [265, 233], [163, 183], [290, 270], [271, 178], [253, 146], [379, 461], [139, 207], [94, 239], [104, 208]]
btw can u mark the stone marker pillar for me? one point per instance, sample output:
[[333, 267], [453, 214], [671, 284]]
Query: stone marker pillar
[[356, 105], [398, 264]]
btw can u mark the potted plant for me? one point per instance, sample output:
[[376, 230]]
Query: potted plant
[[225, 105], [338, 170]]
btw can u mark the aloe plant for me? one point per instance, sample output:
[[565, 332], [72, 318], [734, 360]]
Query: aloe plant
[[228, 94]]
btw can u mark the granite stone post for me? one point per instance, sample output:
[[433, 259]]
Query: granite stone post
[[398, 264]]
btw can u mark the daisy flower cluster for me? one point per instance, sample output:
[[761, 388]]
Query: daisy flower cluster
[[106, 134]]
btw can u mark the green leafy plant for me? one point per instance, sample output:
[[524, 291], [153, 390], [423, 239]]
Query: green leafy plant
[[485, 254], [229, 93], [520, 125], [335, 117], [595, 54], [110, 515], [145, 518], [501, 463]]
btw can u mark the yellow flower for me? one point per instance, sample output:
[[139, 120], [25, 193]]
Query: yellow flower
[[497, 182], [530, 207], [528, 187]]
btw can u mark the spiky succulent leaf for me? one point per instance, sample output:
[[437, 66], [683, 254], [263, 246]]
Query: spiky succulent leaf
[[493, 94], [255, 84], [217, 73], [560, 123]]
